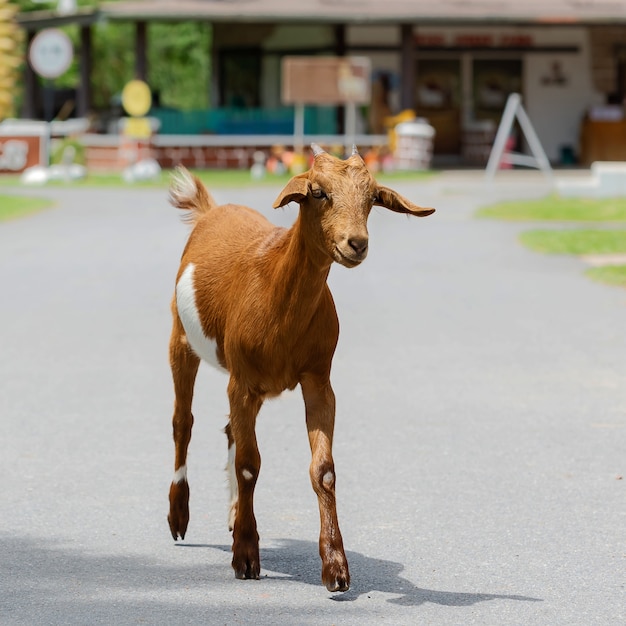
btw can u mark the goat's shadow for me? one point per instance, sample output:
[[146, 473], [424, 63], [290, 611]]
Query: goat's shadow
[[295, 560]]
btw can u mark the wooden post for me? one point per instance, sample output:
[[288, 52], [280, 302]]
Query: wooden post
[[407, 95], [29, 106], [141, 56], [340, 51], [84, 92]]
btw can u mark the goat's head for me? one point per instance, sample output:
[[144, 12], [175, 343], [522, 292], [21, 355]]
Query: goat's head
[[335, 199]]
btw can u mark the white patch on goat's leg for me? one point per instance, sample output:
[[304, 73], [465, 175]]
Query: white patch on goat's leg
[[180, 475], [247, 474], [234, 490], [203, 346], [328, 479]]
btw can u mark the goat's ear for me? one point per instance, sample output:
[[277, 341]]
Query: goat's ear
[[295, 191], [393, 201]]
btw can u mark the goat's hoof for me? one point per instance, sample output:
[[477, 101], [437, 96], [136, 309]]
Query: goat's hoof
[[246, 561], [247, 568], [336, 576], [178, 517]]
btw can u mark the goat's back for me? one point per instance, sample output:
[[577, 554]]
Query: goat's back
[[227, 241]]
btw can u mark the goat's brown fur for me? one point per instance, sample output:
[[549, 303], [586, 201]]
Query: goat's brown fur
[[261, 295]]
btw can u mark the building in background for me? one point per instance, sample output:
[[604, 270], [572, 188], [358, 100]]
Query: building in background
[[452, 63]]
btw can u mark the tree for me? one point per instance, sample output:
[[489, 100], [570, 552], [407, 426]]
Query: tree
[[178, 60], [179, 63]]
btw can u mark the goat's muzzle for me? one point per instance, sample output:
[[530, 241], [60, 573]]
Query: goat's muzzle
[[351, 251]]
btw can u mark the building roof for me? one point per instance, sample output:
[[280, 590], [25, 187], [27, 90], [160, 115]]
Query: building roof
[[374, 11], [36, 20], [344, 12]]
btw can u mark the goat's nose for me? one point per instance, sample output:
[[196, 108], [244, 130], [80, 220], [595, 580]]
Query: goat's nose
[[358, 244]]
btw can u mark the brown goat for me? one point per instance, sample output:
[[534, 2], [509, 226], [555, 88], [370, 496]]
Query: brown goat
[[252, 298]]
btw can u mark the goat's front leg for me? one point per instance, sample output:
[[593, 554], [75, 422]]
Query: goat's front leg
[[184, 364], [244, 407], [319, 401]]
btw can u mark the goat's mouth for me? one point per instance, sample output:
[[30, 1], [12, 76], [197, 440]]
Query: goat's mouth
[[348, 259]]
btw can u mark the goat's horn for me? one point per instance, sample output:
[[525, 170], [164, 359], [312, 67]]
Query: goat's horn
[[316, 150], [354, 150]]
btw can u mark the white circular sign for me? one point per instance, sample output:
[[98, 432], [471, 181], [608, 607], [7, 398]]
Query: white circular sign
[[51, 53]]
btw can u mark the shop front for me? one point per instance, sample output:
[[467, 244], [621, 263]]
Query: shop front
[[455, 68], [461, 79], [465, 75]]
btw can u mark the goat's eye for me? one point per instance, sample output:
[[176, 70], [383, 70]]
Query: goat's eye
[[318, 193]]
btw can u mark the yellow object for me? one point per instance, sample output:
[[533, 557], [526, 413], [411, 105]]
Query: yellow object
[[136, 98], [392, 121], [138, 128], [7, 12], [7, 28], [10, 57], [298, 164], [7, 44]]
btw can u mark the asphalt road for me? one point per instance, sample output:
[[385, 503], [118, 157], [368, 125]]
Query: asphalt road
[[480, 439]]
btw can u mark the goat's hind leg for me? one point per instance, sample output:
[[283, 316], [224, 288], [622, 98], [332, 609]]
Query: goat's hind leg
[[184, 364], [244, 407]]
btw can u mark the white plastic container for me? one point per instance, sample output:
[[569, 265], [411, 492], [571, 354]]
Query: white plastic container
[[414, 145]]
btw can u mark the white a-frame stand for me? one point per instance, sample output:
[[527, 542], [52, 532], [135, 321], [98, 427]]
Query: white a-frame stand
[[498, 155]]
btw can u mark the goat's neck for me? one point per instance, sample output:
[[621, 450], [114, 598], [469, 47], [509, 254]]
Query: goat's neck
[[301, 271]]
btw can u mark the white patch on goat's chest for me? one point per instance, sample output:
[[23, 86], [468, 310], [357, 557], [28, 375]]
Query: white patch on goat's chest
[[203, 346]]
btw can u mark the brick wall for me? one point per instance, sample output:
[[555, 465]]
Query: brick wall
[[116, 158], [116, 153]]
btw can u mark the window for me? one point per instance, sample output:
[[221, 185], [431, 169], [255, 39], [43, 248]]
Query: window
[[240, 78]]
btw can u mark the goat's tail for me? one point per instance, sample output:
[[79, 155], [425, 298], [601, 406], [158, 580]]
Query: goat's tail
[[188, 193]]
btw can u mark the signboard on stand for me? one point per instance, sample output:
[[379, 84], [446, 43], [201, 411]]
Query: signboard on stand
[[50, 55], [326, 81], [137, 130], [136, 100]]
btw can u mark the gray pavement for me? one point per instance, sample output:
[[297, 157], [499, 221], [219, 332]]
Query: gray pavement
[[480, 439]]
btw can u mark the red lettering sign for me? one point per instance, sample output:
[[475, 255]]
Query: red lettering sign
[[516, 41], [430, 41], [474, 41]]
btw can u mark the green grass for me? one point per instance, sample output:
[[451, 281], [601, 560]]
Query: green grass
[[242, 178], [576, 241], [12, 207], [92, 180], [555, 208], [609, 274], [211, 178]]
